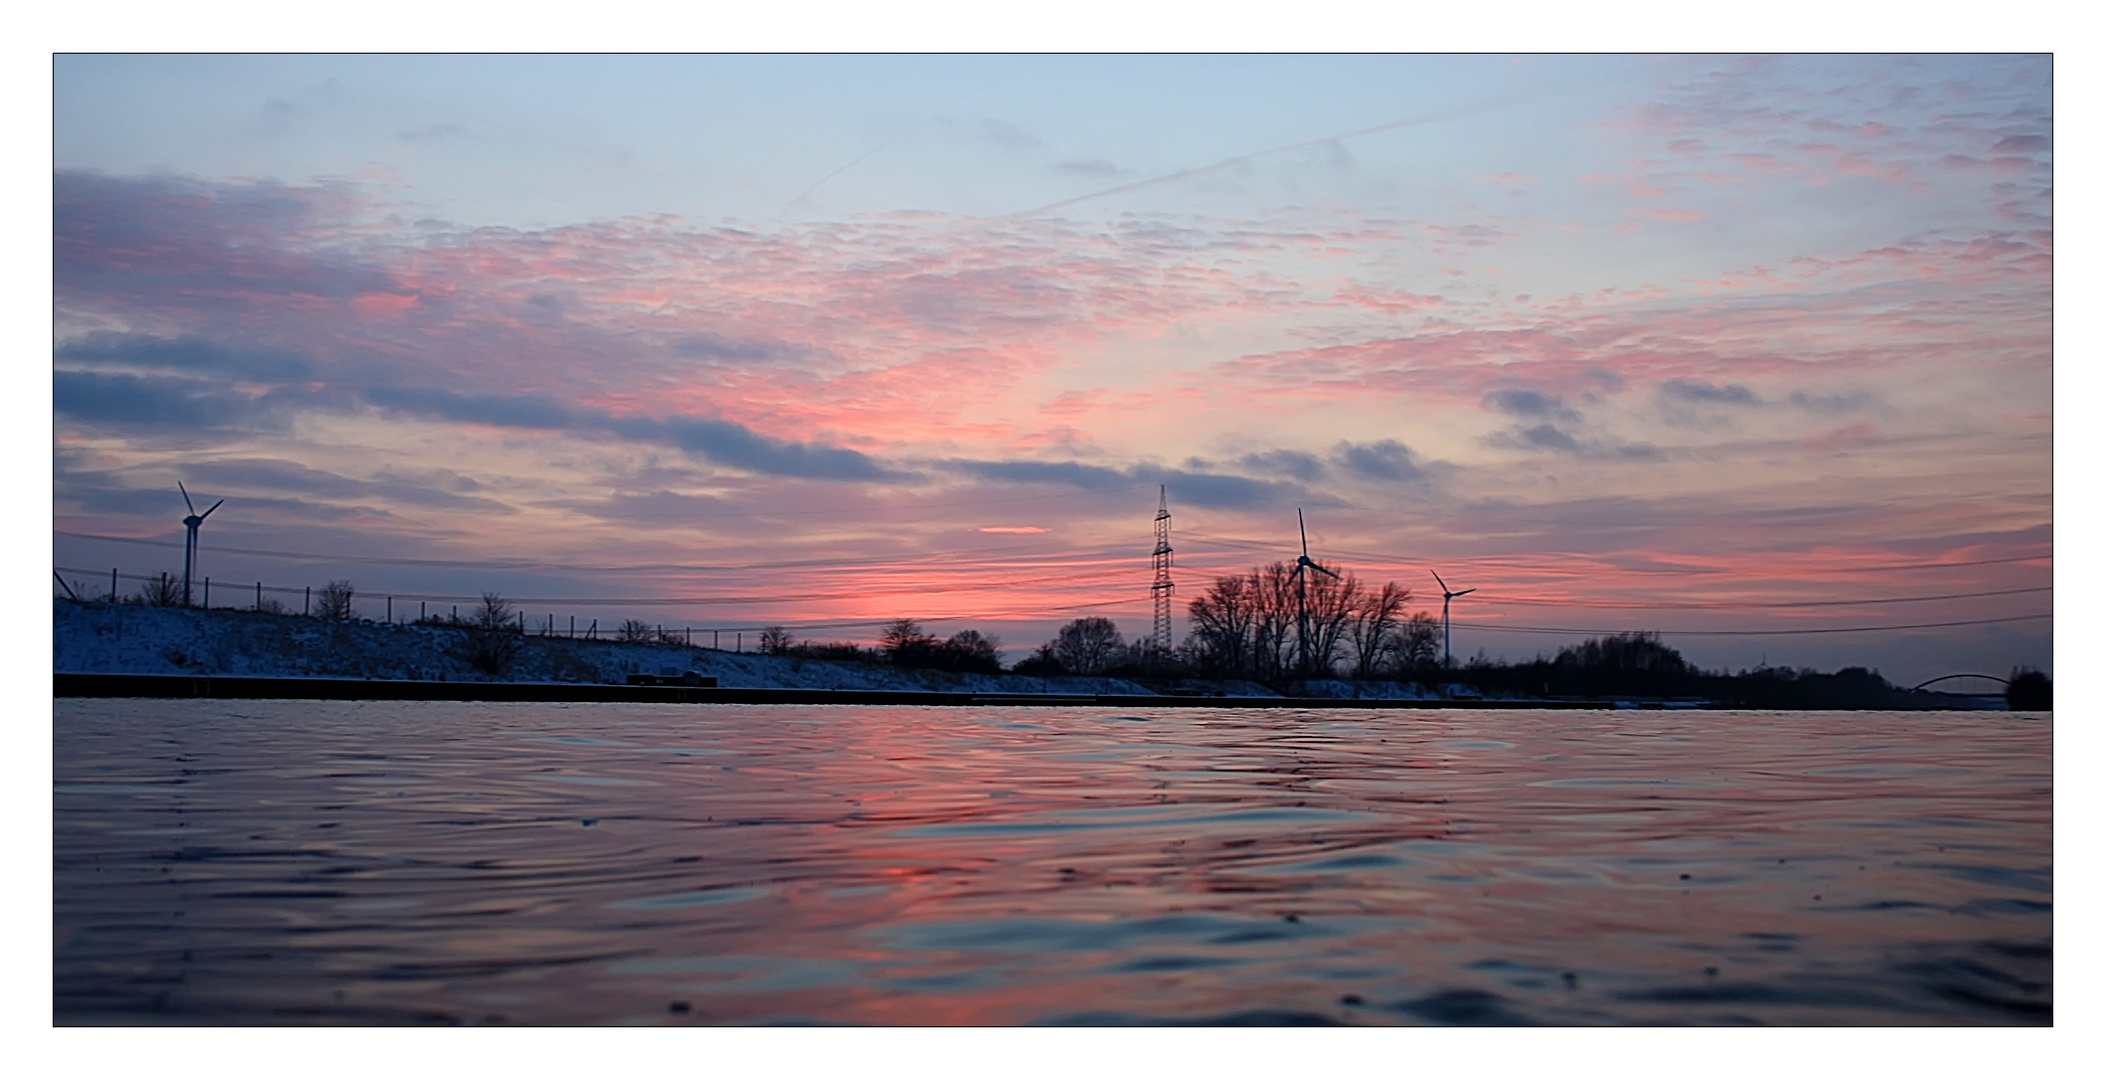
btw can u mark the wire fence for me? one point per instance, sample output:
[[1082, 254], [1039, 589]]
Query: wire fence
[[400, 609]]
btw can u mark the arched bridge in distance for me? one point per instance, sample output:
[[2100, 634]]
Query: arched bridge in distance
[[1972, 686]]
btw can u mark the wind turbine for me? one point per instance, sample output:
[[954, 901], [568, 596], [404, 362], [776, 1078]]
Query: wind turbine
[[1301, 592], [190, 543], [1447, 636]]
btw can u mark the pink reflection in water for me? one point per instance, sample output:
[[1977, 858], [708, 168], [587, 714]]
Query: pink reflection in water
[[350, 862]]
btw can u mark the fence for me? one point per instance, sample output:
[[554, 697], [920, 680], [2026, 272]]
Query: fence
[[544, 624]]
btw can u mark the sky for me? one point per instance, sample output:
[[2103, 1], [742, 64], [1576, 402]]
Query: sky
[[1756, 352]]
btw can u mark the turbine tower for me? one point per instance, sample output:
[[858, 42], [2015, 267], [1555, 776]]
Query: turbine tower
[[1301, 595], [1447, 636], [190, 542], [1162, 585]]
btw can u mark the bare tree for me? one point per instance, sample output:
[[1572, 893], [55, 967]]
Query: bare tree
[[906, 644], [1418, 643], [494, 613], [1373, 629], [1221, 620], [1088, 645], [493, 639], [971, 650], [635, 632], [1273, 629], [775, 641], [334, 601], [1329, 608]]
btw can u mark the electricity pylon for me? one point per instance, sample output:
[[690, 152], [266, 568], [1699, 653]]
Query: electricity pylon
[[1162, 585]]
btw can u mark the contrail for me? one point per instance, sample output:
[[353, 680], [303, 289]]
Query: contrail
[[1424, 118], [829, 176], [944, 108]]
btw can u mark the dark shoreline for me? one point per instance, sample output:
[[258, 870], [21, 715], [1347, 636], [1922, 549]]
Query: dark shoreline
[[73, 684]]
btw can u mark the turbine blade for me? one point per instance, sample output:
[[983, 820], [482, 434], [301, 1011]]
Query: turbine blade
[[1437, 577], [1333, 573], [208, 513], [1466, 592], [1305, 531], [186, 497]]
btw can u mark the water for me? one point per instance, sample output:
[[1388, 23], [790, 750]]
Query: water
[[412, 862]]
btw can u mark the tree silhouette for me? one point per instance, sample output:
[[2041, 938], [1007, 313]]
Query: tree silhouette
[[492, 641], [162, 590], [1372, 632], [334, 601], [906, 644], [2029, 691], [1088, 645]]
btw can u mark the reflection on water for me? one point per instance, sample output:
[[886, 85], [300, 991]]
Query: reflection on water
[[402, 862]]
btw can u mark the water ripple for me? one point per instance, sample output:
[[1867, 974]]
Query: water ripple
[[429, 862]]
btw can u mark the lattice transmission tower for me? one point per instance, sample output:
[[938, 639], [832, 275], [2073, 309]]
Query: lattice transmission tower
[[1162, 585]]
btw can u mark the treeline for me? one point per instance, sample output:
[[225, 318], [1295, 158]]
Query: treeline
[[1086, 646], [1272, 625], [904, 643]]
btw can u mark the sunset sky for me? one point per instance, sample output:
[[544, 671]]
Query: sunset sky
[[1706, 345]]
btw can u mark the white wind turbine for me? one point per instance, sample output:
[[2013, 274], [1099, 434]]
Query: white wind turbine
[[190, 543], [1301, 593], [1447, 636]]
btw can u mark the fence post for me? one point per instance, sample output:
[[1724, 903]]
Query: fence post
[[208, 594], [420, 611], [391, 605], [259, 598], [113, 584], [716, 640], [573, 626], [307, 601], [742, 641]]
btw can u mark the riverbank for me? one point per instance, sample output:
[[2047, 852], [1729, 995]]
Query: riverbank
[[93, 638], [104, 650], [268, 688]]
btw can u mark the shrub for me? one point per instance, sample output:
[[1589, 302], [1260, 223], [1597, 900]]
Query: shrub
[[1043, 664], [334, 601], [162, 590], [2029, 691], [492, 641]]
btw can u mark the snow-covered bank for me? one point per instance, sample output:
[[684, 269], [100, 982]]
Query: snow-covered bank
[[132, 639]]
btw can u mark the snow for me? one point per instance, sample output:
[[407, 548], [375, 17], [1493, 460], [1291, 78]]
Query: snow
[[94, 637]]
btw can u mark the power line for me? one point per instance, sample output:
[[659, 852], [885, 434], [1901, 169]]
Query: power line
[[1391, 558], [681, 601], [470, 564], [1737, 605], [1756, 633]]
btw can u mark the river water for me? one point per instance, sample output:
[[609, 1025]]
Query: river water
[[420, 862]]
